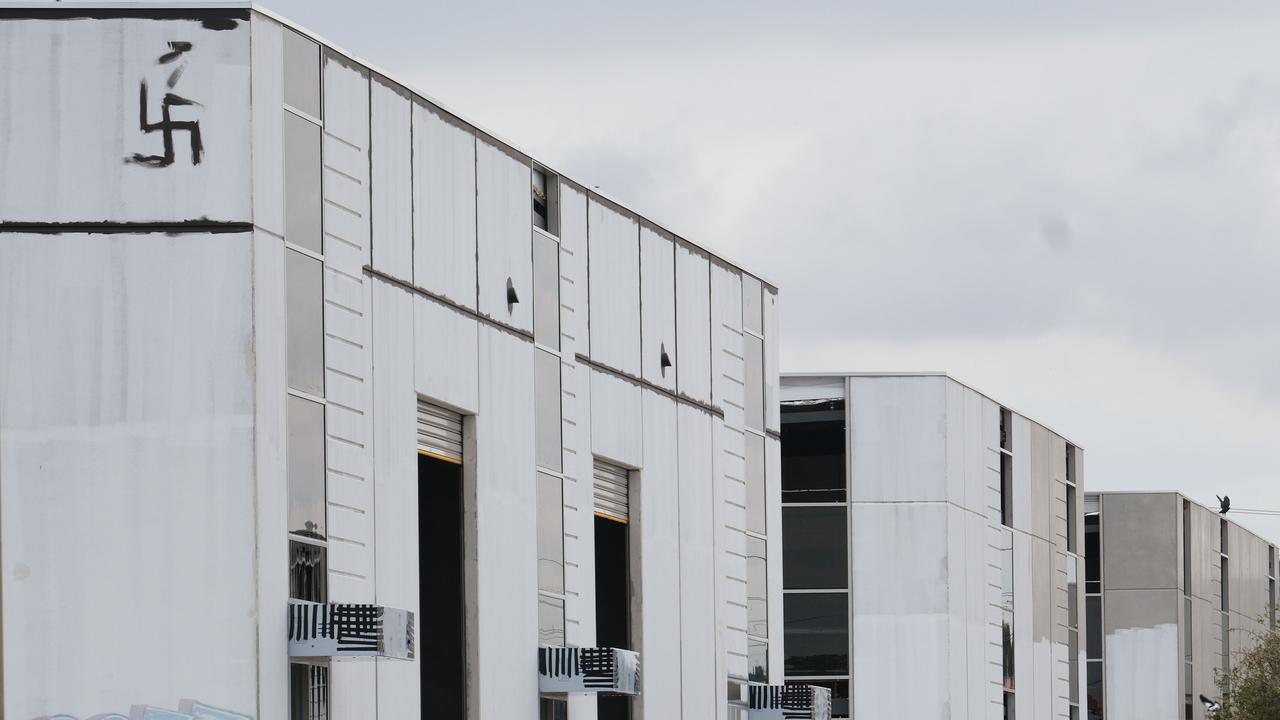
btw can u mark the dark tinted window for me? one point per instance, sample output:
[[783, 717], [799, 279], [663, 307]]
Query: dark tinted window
[[813, 452], [546, 409], [302, 183], [757, 660], [1092, 555], [304, 322], [757, 588], [817, 633], [757, 493], [306, 469], [814, 542], [550, 534], [1093, 627], [308, 572], [753, 380], [302, 73], [1094, 700], [546, 291]]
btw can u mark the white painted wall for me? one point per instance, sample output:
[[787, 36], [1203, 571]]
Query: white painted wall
[[657, 307], [60, 112], [395, 487], [128, 490], [504, 670], [656, 616], [900, 577], [348, 364], [390, 156], [700, 688], [730, 473], [899, 440], [693, 323], [446, 353], [444, 206], [614, 287], [504, 234]]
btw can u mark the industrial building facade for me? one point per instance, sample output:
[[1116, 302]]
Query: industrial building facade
[[296, 364], [1173, 591], [931, 551]]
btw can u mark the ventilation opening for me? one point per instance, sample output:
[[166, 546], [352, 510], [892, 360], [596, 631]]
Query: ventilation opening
[[440, 587], [613, 604]]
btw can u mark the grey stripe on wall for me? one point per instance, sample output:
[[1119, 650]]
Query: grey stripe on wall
[[611, 488], [439, 432]]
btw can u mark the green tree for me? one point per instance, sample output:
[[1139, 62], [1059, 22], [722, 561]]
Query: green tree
[[1251, 690]]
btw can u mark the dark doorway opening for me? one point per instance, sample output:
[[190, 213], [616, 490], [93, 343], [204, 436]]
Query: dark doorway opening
[[613, 604], [441, 619]]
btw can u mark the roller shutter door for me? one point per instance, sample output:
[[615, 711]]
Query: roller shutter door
[[611, 488], [439, 432]]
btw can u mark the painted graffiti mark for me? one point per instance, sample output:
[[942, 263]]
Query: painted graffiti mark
[[167, 126], [187, 710]]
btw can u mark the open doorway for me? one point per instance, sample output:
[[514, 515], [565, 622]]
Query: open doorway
[[613, 603], [441, 620]]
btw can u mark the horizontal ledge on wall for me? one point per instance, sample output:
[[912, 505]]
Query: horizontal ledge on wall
[[181, 227], [641, 382]]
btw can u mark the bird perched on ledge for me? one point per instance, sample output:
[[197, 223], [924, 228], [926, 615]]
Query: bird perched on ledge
[[1225, 502]]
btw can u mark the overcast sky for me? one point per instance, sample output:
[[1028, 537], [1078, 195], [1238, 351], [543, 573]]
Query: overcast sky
[[1075, 209]]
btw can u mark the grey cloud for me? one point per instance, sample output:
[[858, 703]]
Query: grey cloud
[[973, 180]]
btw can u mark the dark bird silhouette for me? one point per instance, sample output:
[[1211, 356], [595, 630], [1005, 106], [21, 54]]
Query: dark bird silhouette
[[1225, 502], [1212, 706]]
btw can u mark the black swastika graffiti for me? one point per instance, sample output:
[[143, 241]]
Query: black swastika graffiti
[[166, 125]]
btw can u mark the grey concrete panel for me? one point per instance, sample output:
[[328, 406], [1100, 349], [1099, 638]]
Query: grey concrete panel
[[1041, 483], [1140, 541], [1043, 578]]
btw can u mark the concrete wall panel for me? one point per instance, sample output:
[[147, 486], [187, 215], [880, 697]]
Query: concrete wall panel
[[267, 48], [656, 610], [444, 206], [899, 446], [693, 323], [270, 433], [614, 288], [503, 634], [615, 415], [657, 307], [61, 113], [504, 235], [395, 477], [773, 489], [116, 470], [900, 580], [391, 153], [772, 340], [1022, 502], [1143, 668], [445, 358], [700, 690], [1141, 535]]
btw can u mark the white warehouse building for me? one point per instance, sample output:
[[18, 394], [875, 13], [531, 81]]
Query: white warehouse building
[[932, 561], [296, 365]]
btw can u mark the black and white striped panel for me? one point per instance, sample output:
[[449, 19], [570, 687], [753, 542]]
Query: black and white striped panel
[[439, 432], [599, 670], [349, 629], [783, 702]]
